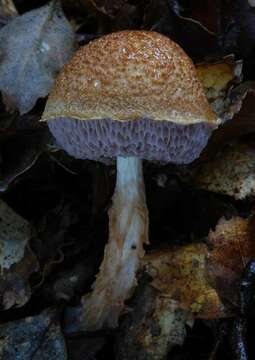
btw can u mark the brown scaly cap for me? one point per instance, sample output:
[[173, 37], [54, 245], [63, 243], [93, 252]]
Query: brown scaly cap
[[130, 75]]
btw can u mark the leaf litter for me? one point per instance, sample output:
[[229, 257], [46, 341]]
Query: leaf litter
[[17, 260], [43, 43], [201, 239], [34, 337]]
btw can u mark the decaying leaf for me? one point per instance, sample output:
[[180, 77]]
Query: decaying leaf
[[171, 322], [14, 234], [242, 104], [196, 280], [218, 79], [180, 275], [30, 60], [17, 261], [242, 109], [231, 172], [153, 328], [232, 245], [37, 337]]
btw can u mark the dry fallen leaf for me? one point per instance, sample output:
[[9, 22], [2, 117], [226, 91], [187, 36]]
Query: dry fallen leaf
[[241, 109], [30, 60], [205, 279], [231, 172], [180, 274], [36, 337], [17, 261], [218, 80], [170, 321], [153, 328], [14, 236], [232, 245], [187, 282]]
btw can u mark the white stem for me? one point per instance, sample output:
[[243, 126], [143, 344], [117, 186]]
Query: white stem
[[128, 231]]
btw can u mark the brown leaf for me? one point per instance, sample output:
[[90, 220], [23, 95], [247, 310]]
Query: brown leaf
[[233, 247], [218, 79], [180, 274], [197, 280], [241, 108], [231, 172], [153, 328]]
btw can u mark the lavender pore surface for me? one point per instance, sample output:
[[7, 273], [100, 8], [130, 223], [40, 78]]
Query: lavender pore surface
[[105, 139]]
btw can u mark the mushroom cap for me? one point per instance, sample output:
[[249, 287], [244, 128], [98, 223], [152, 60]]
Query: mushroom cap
[[130, 93]]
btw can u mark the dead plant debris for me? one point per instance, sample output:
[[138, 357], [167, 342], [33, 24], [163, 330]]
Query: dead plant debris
[[195, 293]]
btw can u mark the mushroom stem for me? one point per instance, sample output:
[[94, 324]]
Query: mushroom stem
[[128, 231]]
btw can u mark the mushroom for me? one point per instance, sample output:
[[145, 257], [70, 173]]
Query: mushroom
[[129, 96]]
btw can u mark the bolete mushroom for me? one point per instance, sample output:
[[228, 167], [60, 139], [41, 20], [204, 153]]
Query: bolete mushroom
[[129, 95]]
